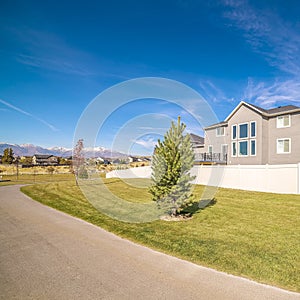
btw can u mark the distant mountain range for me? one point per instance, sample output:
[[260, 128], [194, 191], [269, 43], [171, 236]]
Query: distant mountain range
[[29, 150]]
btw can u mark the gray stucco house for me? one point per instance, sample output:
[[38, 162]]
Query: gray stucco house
[[253, 135]]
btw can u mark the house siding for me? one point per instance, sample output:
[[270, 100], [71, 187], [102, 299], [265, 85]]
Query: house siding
[[246, 115], [267, 135], [211, 138], [265, 145], [292, 132]]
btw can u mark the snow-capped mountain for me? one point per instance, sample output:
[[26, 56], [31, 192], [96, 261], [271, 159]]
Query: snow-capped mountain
[[29, 150]]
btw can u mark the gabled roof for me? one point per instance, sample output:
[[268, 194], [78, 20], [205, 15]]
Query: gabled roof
[[220, 124], [266, 112], [273, 112], [196, 139], [281, 109]]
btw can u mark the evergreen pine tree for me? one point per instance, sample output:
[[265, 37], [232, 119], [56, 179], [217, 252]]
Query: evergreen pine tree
[[172, 160]]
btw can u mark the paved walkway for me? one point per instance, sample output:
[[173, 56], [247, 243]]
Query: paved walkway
[[45, 254]]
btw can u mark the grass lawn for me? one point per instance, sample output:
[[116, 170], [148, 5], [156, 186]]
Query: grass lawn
[[251, 234], [35, 178]]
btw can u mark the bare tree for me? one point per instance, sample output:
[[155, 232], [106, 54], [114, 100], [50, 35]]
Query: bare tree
[[78, 158]]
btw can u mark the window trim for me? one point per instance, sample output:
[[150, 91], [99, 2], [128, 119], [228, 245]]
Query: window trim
[[250, 148], [250, 129], [223, 131], [290, 145], [236, 132], [247, 137], [243, 141], [212, 149], [277, 125]]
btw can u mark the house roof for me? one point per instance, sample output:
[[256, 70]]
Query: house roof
[[196, 139], [276, 110], [266, 112], [42, 156], [281, 109], [273, 112], [220, 124]]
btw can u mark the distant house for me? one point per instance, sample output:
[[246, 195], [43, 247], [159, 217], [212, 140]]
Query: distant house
[[44, 160], [253, 135], [132, 159], [197, 143]]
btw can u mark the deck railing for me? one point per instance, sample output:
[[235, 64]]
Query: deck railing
[[220, 158]]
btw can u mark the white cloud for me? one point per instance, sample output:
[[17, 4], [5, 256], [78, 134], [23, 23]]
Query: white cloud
[[45, 50], [269, 95], [58, 64], [148, 143], [53, 128], [213, 93], [267, 33], [278, 42], [152, 128]]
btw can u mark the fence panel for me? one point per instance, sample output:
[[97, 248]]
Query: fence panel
[[264, 178]]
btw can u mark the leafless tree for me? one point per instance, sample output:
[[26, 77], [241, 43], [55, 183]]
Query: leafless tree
[[78, 158]]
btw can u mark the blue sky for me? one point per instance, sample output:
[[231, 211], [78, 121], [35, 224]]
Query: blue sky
[[56, 56]]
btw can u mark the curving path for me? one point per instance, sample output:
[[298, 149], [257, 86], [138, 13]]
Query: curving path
[[46, 254]]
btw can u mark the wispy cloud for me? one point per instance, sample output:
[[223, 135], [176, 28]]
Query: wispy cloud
[[53, 64], [53, 128], [147, 142], [268, 95], [44, 50], [267, 33], [152, 128], [47, 51], [278, 42], [213, 93]]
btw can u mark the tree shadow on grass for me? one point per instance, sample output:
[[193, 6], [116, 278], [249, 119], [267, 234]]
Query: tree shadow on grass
[[196, 207]]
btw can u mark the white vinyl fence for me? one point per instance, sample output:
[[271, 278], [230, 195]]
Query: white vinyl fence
[[265, 178], [140, 172], [283, 179]]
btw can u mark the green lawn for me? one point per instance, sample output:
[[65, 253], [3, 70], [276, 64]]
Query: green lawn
[[35, 178], [251, 234]]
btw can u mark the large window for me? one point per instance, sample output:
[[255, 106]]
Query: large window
[[220, 131], [283, 121], [253, 147], [283, 146], [253, 129], [233, 150], [243, 148], [234, 132], [243, 131]]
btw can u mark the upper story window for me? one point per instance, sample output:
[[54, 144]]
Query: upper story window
[[283, 121], [253, 129], [234, 132], [243, 136], [283, 146], [220, 131], [243, 131]]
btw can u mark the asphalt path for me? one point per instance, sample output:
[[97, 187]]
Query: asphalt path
[[46, 254]]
